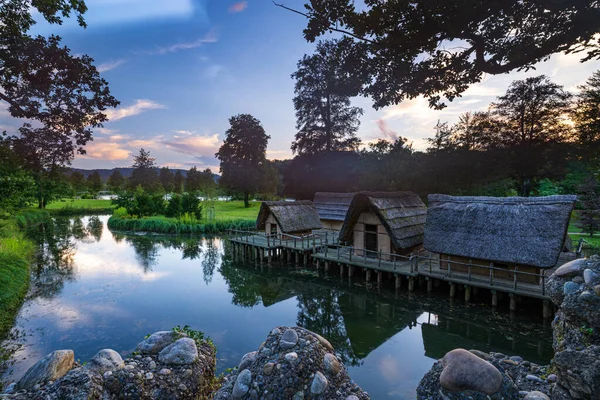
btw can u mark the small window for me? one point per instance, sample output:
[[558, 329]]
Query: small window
[[371, 228]]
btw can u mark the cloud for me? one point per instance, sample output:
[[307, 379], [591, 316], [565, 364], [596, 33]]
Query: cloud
[[194, 145], [116, 138], [238, 7], [105, 131], [139, 107], [213, 71], [107, 66], [183, 132], [109, 151], [103, 11], [386, 131], [145, 143], [210, 37]]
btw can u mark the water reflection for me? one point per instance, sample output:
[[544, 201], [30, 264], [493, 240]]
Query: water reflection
[[95, 289]]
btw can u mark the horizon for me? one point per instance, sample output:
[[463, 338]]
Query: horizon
[[182, 68]]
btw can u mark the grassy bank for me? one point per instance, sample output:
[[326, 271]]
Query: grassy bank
[[592, 241], [68, 207], [15, 254], [227, 215]]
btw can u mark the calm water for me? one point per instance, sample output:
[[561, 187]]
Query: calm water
[[94, 289]]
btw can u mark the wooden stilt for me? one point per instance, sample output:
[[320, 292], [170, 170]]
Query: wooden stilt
[[341, 269], [429, 285], [513, 302], [368, 275], [547, 310], [379, 278], [398, 282], [411, 284], [452, 290], [467, 293], [494, 299]]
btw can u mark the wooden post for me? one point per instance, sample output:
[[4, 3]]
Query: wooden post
[[467, 293], [318, 264], [513, 301], [398, 281], [350, 271], [429, 284], [411, 284], [341, 269], [305, 258], [289, 255], [326, 266], [368, 276], [452, 290], [269, 256], [297, 257], [494, 299], [547, 311], [379, 277]]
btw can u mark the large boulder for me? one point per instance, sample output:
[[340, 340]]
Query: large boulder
[[105, 360], [50, 368], [292, 363], [575, 290], [154, 343]]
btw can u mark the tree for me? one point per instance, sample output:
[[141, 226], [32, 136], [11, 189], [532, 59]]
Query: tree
[[16, 185], [440, 48], [144, 172], [178, 182], [242, 155], [442, 139], [94, 182], [475, 131], [531, 117], [116, 181], [60, 97], [589, 198], [587, 115], [167, 180], [325, 119], [192, 180], [78, 182]]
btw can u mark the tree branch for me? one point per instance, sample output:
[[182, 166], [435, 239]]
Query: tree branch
[[331, 27]]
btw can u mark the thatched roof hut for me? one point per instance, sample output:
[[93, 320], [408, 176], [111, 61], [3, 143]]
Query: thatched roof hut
[[515, 230], [332, 206], [290, 216], [401, 213]]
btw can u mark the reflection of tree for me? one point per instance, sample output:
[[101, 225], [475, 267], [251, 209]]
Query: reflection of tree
[[243, 285], [95, 227], [53, 263], [210, 260], [191, 249], [145, 249], [78, 229]]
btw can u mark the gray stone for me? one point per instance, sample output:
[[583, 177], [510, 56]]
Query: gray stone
[[523, 393], [535, 395], [570, 287], [50, 368], [551, 378], [182, 387], [242, 384], [149, 376], [158, 341], [517, 358], [534, 378], [324, 342], [571, 268], [105, 360], [299, 395], [465, 371], [268, 369], [587, 296], [590, 277], [182, 352], [291, 357], [10, 388], [78, 384], [288, 339], [578, 279], [164, 371], [319, 383], [331, 365], [481, 354], [247, 360], [152, 365], [352, 397]]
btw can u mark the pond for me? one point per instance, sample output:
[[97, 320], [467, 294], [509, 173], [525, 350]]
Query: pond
[[94, 289]]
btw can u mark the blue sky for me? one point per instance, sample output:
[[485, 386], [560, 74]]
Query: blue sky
[[181, 68]]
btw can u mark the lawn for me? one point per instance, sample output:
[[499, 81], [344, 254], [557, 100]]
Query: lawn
[[91, 204], [231, 210], [592, 241]]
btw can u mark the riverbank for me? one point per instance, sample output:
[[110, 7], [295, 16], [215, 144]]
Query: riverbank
[[80, 207], [15, 255]]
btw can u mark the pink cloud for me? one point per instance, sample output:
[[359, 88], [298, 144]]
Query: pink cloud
[[238, 7], [386, 131], [109, 151]]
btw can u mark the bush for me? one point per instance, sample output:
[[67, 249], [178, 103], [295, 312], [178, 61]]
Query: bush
[[174, 207], [190, 204], [140, 203]]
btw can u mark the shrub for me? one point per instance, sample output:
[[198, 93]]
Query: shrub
[[191, 204], [140, 203], [173, 209]]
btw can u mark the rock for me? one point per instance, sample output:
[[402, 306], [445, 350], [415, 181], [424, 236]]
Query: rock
[[288, 339], [590, 277], [247, 359], [352, 397], [534, 378], [50, 368], [597, 290], [149, 376], [465, 371], [578, 279], [182, 352], [551, 378], [268, 369], [331, 365], [319, 383], [152, 365], [587, 296], [481, 354], [324, 342], [242, 384], [535, 395], [164, 371], [291, 357], [158, 341], [571, 268], [105, 360], [510, 362], [10, 388], [78, 384], [570, 287], [298, 396], [517, 358]]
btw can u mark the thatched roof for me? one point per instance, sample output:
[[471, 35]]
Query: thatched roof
[[292, 216], [401, 213], [520, 230], [332, 206]]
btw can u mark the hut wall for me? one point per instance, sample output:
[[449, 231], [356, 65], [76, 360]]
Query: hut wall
[[332, 224], [507, 273], [271, 226], [384, 244]]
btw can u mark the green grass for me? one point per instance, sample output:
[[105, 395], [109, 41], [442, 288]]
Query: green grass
[[592, 241], [227, 215], [68, 207]]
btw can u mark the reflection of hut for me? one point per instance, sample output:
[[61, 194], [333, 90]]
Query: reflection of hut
[[512, 234], [387, 222], [332, 208], [287, 218]]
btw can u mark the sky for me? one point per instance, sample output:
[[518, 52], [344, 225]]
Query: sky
[[182, 68]]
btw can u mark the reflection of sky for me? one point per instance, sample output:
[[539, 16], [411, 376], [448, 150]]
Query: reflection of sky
[[114, 301]]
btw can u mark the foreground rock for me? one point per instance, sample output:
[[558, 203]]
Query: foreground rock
[[293, 363], [575, 290], [169, 366], [476, 375]]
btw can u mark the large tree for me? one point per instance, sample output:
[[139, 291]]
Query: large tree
[[144, 172], [587, 115], [116, 181], [326, 121], [243, 155], [439, 48], [60, 96], [94, 182], [167, 179]]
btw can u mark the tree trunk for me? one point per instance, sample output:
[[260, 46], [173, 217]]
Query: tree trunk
[[246, 199], [525, 186]]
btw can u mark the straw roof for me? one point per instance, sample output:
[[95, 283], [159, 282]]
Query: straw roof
[[520, 230], [332, 206], [401, 213], [292, 216]]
